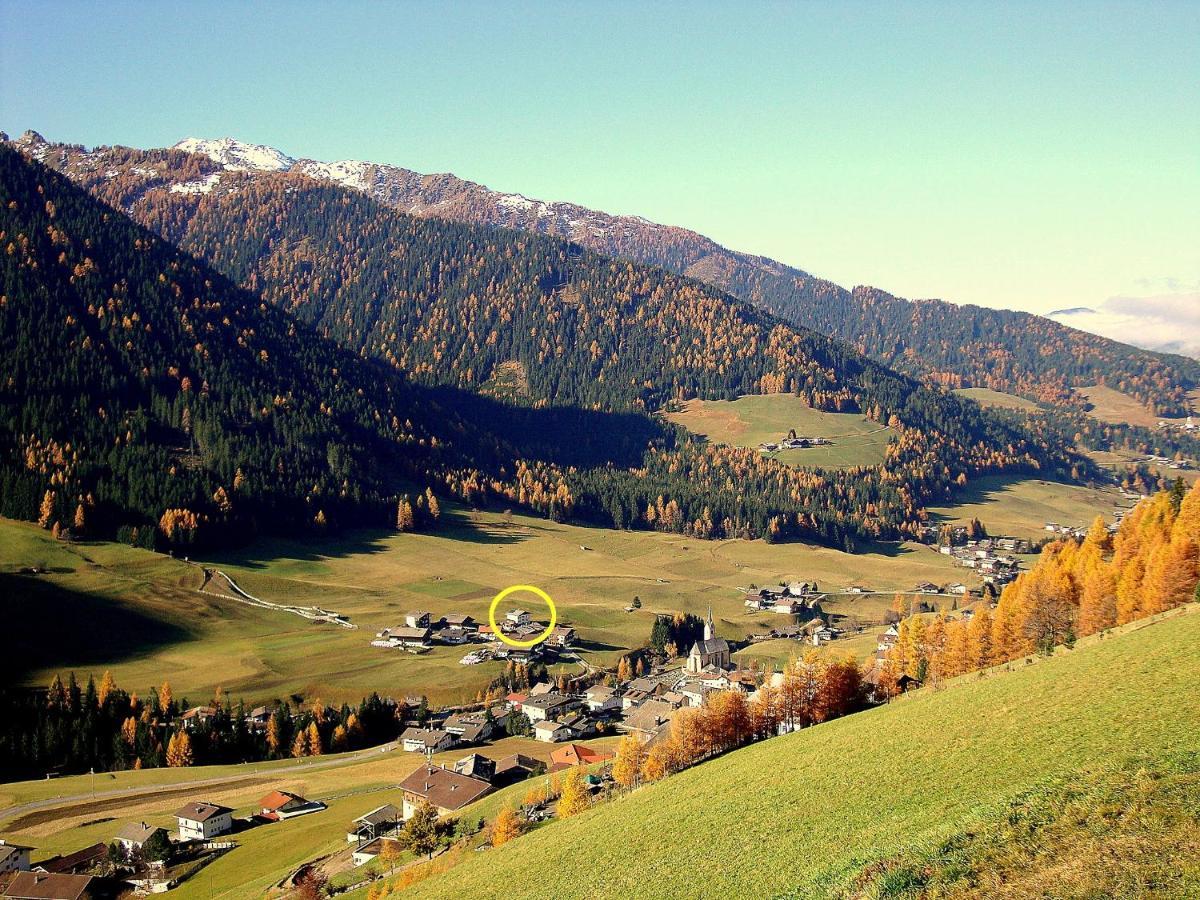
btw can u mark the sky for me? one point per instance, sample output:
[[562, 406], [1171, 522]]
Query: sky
[[1032, 156]]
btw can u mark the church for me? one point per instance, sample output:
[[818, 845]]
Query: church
[[710, 653]]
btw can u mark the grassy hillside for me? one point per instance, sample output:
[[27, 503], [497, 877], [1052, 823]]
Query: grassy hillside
[[156, 625], [1022, 507], [988, 397], [803, 815], [749, 421], [1111, 405]]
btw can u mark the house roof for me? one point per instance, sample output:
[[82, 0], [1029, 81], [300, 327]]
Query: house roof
[[457, 619], [649, 715], [541, 688], [546, 701], [379, 815], [599, 692], [578, 755], [43, 886], [403, 633], [136, 832], [280, 799], [549, 725], [517, 761], [79, 859], [444, 788], [428, 736], [201, 812]]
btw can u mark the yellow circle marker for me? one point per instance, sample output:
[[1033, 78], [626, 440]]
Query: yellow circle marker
[[528, 588]]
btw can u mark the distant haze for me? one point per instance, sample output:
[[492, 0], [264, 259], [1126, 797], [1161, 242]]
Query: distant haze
[[1169, 322]]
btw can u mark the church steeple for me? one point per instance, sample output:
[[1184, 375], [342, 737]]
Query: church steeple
[[709, 630]]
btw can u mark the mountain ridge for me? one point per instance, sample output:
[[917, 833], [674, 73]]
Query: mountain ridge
[[953, 345]]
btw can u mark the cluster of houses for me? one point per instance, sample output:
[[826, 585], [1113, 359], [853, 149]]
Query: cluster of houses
[[1189, 425], [421, 631], [798, 598], [814, 631], [793, 443], [991, 557], [450, 789]]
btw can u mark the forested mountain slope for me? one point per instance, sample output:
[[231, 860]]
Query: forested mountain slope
[[958, 346], [460, 306], [834, 809]]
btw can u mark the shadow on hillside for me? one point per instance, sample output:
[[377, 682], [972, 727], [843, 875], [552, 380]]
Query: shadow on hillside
[[70, 630], [987, 489]]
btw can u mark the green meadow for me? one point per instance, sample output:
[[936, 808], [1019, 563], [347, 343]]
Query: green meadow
[[751, 420], [814, 813]]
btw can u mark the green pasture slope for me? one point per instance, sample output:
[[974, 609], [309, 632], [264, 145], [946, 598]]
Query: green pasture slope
[[806, 815]]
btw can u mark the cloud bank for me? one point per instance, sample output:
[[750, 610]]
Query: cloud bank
[[1167, 322]]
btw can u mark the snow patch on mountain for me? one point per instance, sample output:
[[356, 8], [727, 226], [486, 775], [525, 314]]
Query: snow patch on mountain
[[237, 155], [203, 186], [348, 172]]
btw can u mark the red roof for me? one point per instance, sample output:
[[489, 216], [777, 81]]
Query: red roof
[[277, 799], [578, 755], [517, 698]]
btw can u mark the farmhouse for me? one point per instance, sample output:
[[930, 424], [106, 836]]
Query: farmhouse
[[406, 636], [197, 716], [374, 824], [134, 835], [418, 619], [203, 821], [518, 617], [552, 732], [78, 863], [576, 755], [422, 740], [562, 636], [46, 886], [279, 805], [445, 790]]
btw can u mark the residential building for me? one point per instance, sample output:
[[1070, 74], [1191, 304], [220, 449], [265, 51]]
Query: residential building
[[576, 755], [547, 706], [203, 821], [422, 740], [418, 619], [552, 732], [602, 698], [378, 822], [49, 886], [518, 617], [13, 857], [134, 835], [279, 805], [445, 790]]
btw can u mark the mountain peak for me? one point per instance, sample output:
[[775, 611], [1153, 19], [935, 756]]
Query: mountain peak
[[238, 155]]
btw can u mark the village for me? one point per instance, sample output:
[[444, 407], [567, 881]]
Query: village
[[641, 698]]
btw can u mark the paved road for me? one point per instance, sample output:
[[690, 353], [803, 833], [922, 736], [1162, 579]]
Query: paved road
[[251, 771]]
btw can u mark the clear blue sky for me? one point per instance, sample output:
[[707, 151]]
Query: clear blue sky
[[1027, 156]]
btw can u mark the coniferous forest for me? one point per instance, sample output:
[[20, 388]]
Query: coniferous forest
[[344, 362]]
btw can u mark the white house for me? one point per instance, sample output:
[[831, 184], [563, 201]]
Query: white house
[[519, 617], [204, 821], [134, 835], [419, 740], [552, 732], [602, 698]]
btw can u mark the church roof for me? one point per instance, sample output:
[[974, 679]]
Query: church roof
[[715, 645]]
